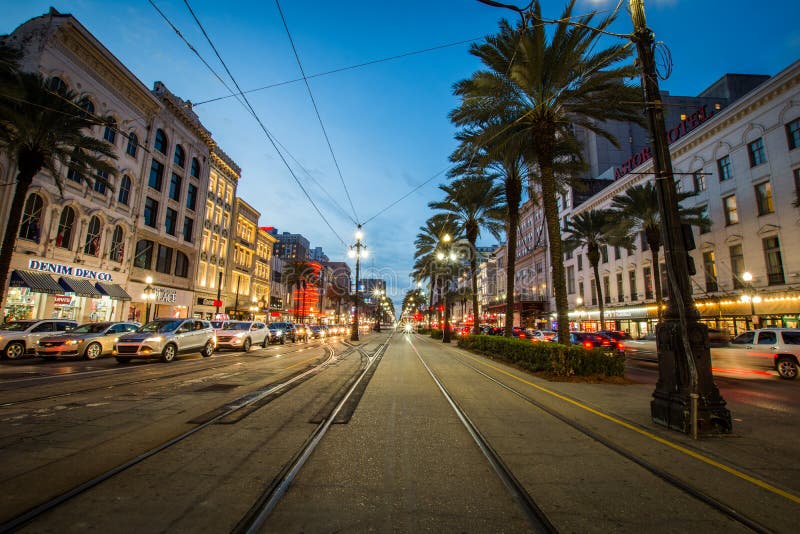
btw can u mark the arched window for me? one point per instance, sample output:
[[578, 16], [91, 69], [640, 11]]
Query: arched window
[[124, 190], [143, 257], [66, 224], [180, 156], [195, 172], [160, 143], [110, 134], [87, 106], [117, 252], [133, 144], [58, 85], [31, 223], [91, 245], [181, 265]]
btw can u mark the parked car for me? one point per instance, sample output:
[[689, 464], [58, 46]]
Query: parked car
[[241, 335], [541, 335], [18, 338], [166, 338], [590, 340], [608, 341], [287, 331], [315, 331], [518, 332], [88, 341], [301, 332], [766, 348]]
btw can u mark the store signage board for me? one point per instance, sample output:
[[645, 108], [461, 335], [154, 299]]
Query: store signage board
[[68, 270]]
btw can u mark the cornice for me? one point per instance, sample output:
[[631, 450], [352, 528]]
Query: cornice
[[224, 163]]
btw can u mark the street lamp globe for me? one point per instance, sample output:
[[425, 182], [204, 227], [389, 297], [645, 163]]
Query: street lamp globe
[[359, 234], [440, 256], [364, 253], [747, 276], [579, 301]]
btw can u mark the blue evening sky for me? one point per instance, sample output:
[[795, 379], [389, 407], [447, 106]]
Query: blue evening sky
[[387, 122]]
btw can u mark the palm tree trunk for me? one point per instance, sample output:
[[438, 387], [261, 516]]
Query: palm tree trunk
[[430, 303], [594, 261], [511, 256], [12, 227], [657, 277], [473, 267], [550, 204]]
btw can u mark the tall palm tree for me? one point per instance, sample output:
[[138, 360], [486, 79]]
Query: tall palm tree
[[547, 87], [595, 229], [639, 206], [474, 202], [42, 130], [431, 234]]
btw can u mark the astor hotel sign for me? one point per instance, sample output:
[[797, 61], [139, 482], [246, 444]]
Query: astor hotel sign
[[68, 270], [688, 124]]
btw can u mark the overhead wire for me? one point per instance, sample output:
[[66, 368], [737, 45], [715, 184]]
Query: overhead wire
[[316, 110], [247, 106]]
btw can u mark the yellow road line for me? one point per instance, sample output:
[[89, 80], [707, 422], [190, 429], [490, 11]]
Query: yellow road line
[[735, 472]]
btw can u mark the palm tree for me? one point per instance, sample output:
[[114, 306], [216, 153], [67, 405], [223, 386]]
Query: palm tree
[[546, 88], [45, 130], [474, 202], [428, 239], [595, 229], [639, 206]]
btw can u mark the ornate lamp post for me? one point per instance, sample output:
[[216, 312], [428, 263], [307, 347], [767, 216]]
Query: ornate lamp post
[[357, 251], [751, 297], [148, 296]]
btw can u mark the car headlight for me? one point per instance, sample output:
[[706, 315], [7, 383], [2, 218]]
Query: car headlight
[[73, 341], [156, 339], [278, 332]]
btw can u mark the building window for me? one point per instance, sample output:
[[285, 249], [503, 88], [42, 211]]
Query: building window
[[100, 182], [606, 290], [88, 108], [150, 212], [620, 289], [648, 283], [31, 222], [91, 245], [756, 152], [124, 190], [772, 253], [188, 229], [170, 221], [725, 169], [593, 289], [604, 253], [764, 198], [180, 156], [710, 268], [191, 197], [699, 181], [705, 228], [195, 172], [57, 85], [580, 262], [580, 290], [156, 175], [117, 252], [175, 187], [181, 265], [160, 142], [730, 209], [797, 187], [737, 265], [164, 259], [793, 134], [570, 280], [133, 144], [73, 174], [65, 226], [143, 258], [110, 133]]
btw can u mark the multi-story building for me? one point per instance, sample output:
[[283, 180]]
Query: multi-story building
[[216, 235], [279, 297], [169, 209], [743, 163], [73, 255], [262, 270], [318, 255], [242, 252], [291, 247], [337, 291]]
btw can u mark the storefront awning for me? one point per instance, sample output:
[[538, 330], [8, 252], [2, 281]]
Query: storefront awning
[[113, 291], [79, 286], [36, 282]]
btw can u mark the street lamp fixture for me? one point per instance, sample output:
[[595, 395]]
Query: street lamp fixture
[[357, 251], [148, 296], [750, 296]]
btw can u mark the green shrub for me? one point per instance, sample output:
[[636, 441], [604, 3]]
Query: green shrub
[[437, 334], [560, 360]]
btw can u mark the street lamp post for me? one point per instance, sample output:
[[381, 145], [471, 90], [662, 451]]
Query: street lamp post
[[751, 297], [579, 302], [148, 296], [444, 256], [357, 252]]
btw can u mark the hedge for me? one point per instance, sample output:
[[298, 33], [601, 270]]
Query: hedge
[[559, 360]]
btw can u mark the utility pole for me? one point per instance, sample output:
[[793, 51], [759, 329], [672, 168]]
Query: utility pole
[[685, 397], [355, 251]]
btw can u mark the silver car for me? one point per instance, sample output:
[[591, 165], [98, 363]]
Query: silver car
[[19, 338], [767, 348], [241, 335], [166, 338], [88, 341]]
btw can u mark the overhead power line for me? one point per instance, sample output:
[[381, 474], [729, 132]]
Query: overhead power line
[[316, 110]]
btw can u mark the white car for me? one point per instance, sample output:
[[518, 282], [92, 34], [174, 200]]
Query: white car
[[766, 348], [241, 335], [19, 338]]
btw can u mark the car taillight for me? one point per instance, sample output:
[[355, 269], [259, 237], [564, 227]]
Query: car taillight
[[522, 336], [587, 344], [606, 343], [621, 346]]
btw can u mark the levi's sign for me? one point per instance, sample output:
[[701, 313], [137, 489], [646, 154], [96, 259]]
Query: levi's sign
[[68, 270]]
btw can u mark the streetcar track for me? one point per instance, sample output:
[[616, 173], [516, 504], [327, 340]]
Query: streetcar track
[[26, 517], [659, 473], [133, 382]]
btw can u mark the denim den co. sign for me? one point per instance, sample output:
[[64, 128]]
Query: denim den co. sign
[[69, 270]]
